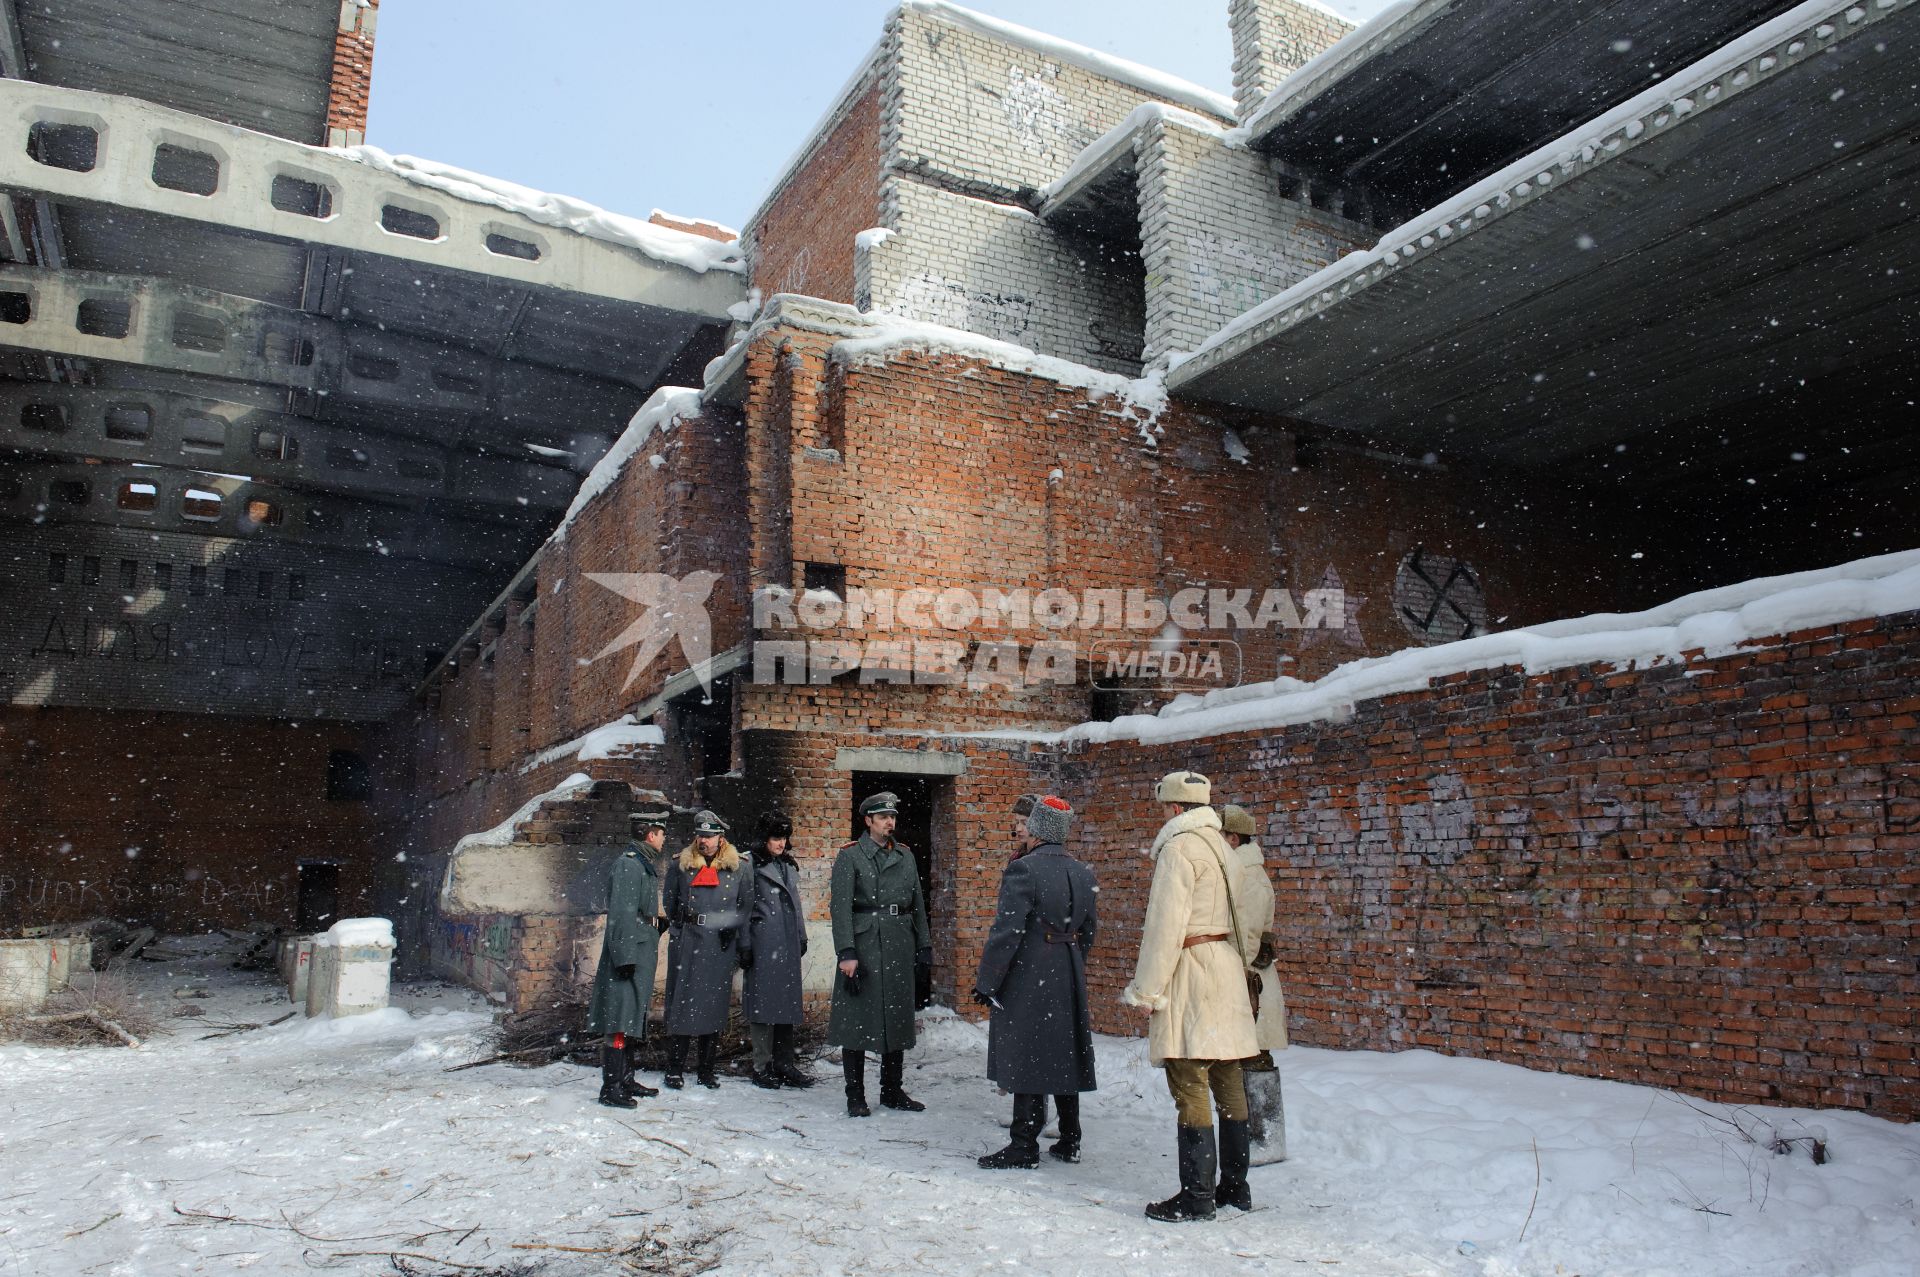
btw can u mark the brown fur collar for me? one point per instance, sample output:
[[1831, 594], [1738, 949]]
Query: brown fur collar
[[728, 857]]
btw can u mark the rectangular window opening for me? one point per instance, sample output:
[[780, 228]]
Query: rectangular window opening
[[405, 221], [180, 168], [131, 422], [110, 317], [298, 196], [74, 147]]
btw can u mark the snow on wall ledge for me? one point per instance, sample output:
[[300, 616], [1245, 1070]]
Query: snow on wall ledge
[[696, 253], [1710, 622]]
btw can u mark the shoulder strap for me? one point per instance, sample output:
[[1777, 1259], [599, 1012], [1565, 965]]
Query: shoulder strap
[[1226, 882]]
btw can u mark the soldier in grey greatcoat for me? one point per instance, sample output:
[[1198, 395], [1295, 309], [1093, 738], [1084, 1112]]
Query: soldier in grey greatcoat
[[1033, 974], [770, 993], [880, 934], [629, 951], [708, 900]]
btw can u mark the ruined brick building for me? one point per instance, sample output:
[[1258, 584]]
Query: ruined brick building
[[1592, 320]]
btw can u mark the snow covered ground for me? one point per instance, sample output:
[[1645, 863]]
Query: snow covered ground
[[323, 1146]]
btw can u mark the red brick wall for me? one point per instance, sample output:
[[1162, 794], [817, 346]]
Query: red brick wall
[[181, 821], [541, 687], [352, 77], [803, 239], [1698, 876]]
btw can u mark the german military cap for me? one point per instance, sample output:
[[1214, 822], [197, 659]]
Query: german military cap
[[881, 804]]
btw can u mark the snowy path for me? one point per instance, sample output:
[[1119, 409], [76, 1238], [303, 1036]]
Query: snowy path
[[325, 1139]]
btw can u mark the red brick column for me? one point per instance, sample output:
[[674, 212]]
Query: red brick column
[[352, 73]]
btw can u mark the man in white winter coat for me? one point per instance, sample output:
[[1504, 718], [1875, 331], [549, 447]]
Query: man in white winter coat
[[1195, 946]]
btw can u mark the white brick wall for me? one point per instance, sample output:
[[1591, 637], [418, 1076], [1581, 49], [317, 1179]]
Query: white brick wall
[[999, 271], [1218, 238], [1274, 38]]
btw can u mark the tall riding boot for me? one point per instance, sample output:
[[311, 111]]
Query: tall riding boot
[[676, 1075], [1067, 1147], [893, 1067], [629, 1078], [786, 1063], [1199, 1164], [613, 1062], [1235, 1152], [855, 1064], [706, 1043], [1023, 1150]]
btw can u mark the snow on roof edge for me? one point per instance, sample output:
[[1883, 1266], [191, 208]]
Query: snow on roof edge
[[696, 253], [1316, 72], [664, 409], [849, 91], [1144, 398], [1682, 84], [1144, 78], [1097, 152], [1714, 622]]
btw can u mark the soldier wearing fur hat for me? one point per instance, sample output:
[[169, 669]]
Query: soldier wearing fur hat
[[1195, 944], [880, 934], [1266, 1111], [708, 901], [770, 995], [629, 951], [1033, 974]]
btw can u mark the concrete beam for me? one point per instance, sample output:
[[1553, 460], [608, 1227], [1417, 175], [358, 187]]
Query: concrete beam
[[913, 762], [299, 194], [214, 505], [144, 322], [191, 432]]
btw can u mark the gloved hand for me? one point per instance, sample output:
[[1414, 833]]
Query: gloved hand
[[746, 959], [853, 981], [625, 971], [660, 924], [982, 997], [1264, 958], [726, 937], [923, 956]]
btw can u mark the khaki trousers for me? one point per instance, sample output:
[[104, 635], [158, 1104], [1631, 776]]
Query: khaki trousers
[[1197, 1085]]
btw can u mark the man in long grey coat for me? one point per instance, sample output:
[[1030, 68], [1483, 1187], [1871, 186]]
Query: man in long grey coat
[[708, 900], [880, 934], [629, 952], [1033, 974], [770, 992]]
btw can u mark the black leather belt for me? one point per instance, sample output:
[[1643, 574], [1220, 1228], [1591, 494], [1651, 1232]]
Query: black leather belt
[[1057, 937], [891, 911]]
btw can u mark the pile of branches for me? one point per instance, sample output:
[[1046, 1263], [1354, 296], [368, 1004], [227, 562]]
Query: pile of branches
[[550, 1034], [97, 1009]]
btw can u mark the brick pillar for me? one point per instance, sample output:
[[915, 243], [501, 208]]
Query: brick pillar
[[352, 73], [1274, 38]]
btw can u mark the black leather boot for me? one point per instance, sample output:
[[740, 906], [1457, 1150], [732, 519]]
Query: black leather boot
[[630, 1079], [786, 1065], [705, 1066], [613, 1064], [1023, 1149], [1199, 1165], [893, 1067], [676, 1075], [854, 1063], [1236, 1152], [1067, 1147]]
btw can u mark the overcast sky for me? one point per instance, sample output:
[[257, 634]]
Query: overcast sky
[[689, 107]]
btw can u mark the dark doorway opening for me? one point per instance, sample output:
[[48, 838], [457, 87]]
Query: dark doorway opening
[[706, 724], [319, 899]]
